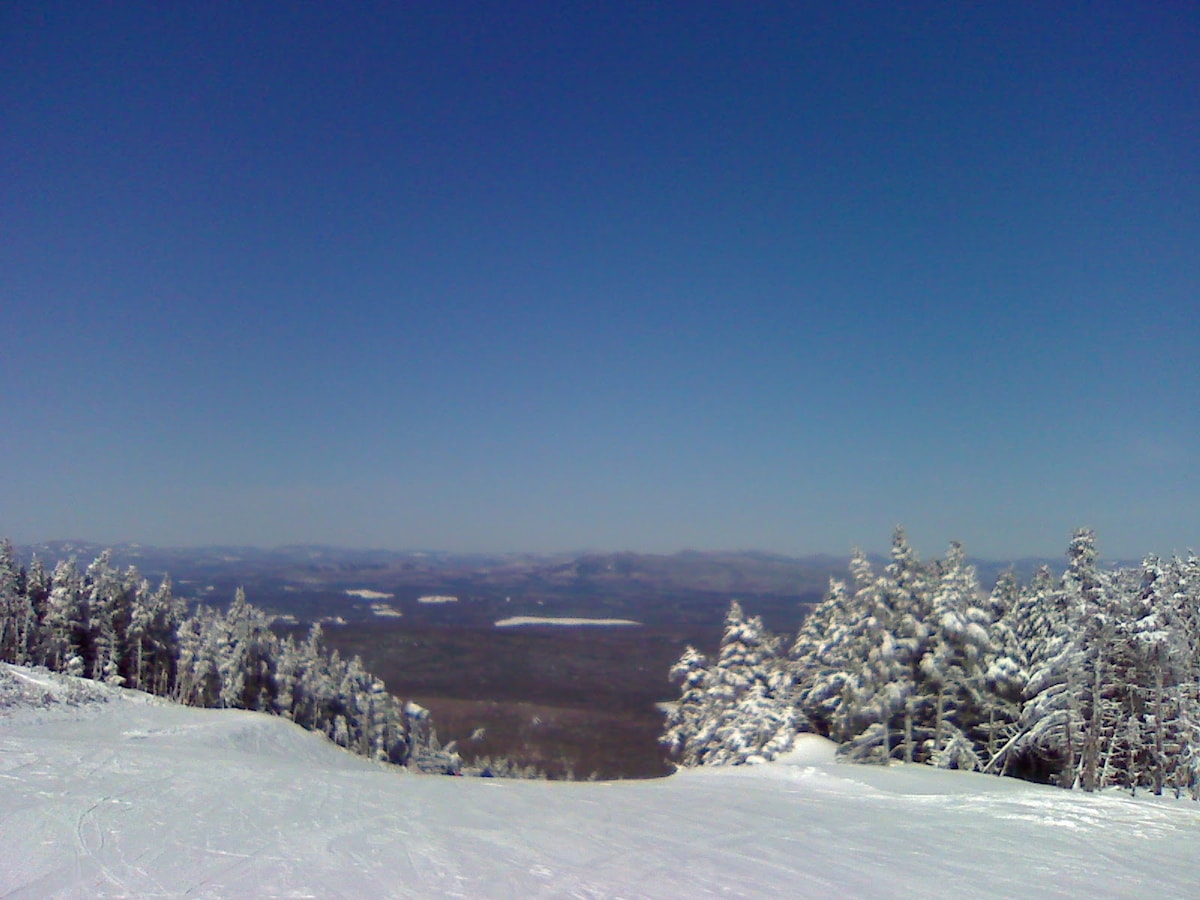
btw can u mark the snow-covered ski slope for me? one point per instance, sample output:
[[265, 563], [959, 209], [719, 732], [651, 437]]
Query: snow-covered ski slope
[[111, 793]]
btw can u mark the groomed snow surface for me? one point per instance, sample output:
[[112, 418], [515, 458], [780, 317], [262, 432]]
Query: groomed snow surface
[[106, 793]]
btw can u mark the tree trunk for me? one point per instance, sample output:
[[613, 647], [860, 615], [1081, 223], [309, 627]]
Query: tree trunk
[[1067, 779], [937, 730], [1107, 760], [885, 740], [991, 741], [1158, 731], [1090, 763], [908, 723]]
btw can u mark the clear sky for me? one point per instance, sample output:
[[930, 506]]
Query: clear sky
[[543, 276]]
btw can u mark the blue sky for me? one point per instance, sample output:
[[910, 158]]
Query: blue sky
[[529, 276]]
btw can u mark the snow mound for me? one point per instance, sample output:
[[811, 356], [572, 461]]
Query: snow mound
[[808, 750], [24, 688]]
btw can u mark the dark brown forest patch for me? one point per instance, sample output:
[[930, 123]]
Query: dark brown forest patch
[[569, 700]]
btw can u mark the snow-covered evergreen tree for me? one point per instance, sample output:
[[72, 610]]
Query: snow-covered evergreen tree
[[67, 622], [18, 618], [248, 659], [37, 593], [859, 684], [200, 653], [1052, 715], [744, 713], [109, 603], [1155, 681], [109, 625], [823, 655], [686, 715], [1006, 674], [1069, 714], [878, 685], [154, 625], [952, 678], [905, 590]]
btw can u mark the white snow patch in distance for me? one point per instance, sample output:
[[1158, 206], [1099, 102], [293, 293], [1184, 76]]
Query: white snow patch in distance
[[367, 594], [513, 621]]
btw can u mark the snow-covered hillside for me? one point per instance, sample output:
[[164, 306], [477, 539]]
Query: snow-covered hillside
[[106, 792]]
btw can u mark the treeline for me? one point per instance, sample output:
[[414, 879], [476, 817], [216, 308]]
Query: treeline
[[113, 626], [1086, 679]]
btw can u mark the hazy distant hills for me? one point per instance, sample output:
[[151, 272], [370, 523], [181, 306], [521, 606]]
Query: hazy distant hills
[[311, 582]]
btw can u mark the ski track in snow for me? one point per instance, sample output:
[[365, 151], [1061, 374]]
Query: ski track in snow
[[138, 797]]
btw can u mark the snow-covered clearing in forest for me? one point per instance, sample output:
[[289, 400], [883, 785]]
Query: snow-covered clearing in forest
[[107, 793], [513, 621], [366, 594]]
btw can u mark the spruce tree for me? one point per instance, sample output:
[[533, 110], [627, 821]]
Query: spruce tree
[[739, 709]]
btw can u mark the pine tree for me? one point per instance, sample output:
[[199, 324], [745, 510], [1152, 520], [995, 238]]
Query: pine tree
[[109, 602], [906, 591], [18, 619], [884, 637], [248, 659], [744, 713], [1072, 722], [824, 655], [953, 667], [37, 592], [1006, 674], [67, 622], [685, 717], [750, 688], [154, 624], [854, 683]]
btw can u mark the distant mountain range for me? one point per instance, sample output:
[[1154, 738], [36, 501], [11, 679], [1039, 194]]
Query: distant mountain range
[[312, 582]]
